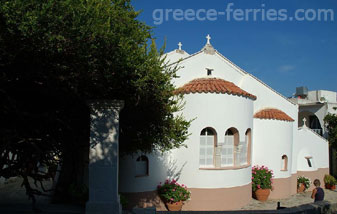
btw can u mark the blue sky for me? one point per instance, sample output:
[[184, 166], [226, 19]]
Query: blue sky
[[283, 54]]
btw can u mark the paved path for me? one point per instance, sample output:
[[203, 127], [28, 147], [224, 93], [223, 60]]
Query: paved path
[[294, 200], [13, 200]]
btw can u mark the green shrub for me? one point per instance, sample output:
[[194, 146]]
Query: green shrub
[[173, 192], [329, 179], [303, 180], [261, 178]]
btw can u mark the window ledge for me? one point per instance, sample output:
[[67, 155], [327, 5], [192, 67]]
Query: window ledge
[[283, 170], [227, 168]]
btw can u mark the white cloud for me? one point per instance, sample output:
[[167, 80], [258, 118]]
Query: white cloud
[[286, 68]]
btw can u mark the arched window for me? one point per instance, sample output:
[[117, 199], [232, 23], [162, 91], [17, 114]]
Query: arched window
[[284, 163], [244, 149], [142, 166], [227, 148], [208, 142], [237, 146]]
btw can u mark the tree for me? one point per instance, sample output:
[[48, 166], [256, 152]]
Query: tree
[[330, 121], [54, 56]]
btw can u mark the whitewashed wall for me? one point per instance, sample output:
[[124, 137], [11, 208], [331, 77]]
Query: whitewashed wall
[[332, 108], [273, 139], [270, 138], [160, 166], [286, 132], [219, 111], [174, 56], [267, 98], [329, 96], [310, 144], [195, 67]]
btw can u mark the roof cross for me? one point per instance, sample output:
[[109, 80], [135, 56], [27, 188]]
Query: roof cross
[[179, 45], [208, 37]]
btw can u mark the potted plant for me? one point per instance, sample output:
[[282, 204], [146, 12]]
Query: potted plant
[[173, 194], [330, 182], [303, 183], [261, 182]]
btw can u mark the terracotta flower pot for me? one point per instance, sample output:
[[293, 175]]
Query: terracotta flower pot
[[329, 186], [301, 188], [262, 194], [175, 206]]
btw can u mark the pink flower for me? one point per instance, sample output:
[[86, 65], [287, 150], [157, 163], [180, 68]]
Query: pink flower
[[174, 190], [252, 177], [258, 186], [171, 199]]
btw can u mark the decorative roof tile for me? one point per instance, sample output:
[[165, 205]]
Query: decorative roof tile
[[273, 114], [213, 85]]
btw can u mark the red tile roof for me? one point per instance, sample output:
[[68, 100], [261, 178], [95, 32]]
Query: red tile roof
[[213, 85], [273, 114]]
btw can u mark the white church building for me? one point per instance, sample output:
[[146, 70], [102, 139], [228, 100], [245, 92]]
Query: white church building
[[238, 122]]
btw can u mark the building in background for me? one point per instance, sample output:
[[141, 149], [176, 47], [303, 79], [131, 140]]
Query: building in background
[[314, 106]]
